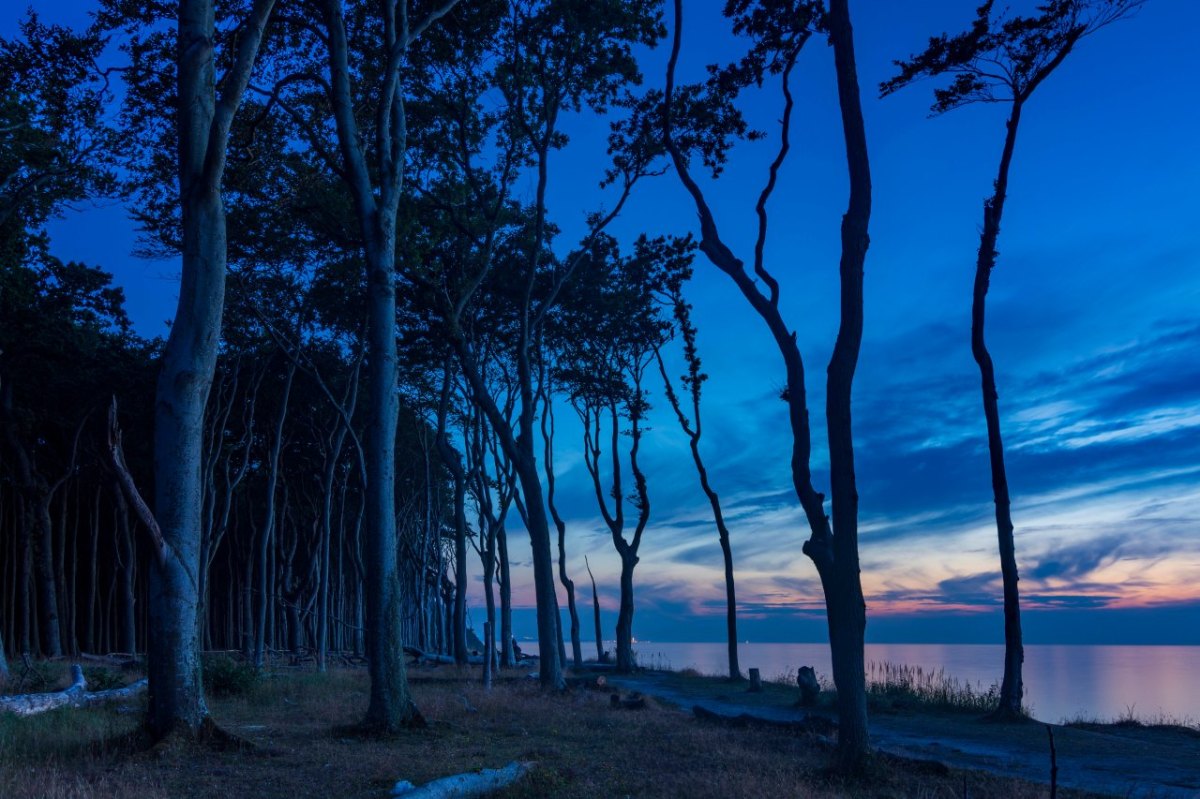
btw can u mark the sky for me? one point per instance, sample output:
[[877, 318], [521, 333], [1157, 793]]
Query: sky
[[1093, 322]]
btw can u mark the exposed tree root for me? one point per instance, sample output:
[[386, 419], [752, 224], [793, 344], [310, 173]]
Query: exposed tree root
[[208, 735]]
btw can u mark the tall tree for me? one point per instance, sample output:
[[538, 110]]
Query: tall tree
[[691, 385], [369, 52], [700, 121], [206, 104], [1003, 59]]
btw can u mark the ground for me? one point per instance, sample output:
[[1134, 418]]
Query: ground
[[304, 746], [1125, 759]]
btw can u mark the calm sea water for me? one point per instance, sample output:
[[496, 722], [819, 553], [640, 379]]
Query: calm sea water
[[1061, 682]]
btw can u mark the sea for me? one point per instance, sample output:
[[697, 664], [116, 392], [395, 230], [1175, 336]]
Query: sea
[[1076, 682]]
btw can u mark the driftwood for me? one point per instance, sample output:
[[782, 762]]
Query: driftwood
[[478, 783], [76, 695]]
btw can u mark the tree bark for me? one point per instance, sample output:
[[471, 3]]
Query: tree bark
[[1011, 688]]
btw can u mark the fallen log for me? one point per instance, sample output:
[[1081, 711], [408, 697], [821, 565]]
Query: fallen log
[[76, 695], [479, 783]]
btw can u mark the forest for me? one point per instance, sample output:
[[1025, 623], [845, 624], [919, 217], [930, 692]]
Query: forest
[[384, 334]]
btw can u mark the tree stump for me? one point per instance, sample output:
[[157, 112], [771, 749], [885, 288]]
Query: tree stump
[[755, 681], [810, 689]]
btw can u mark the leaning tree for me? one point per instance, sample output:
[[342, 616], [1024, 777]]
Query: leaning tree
[[1003, 59]]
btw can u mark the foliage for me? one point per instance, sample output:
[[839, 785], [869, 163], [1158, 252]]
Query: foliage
[[1003, 58], [224, 675]]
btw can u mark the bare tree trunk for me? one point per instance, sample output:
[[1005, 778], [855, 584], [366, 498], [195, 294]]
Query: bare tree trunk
[[567, 584], [1011, 688], [189, 360], [266, 598], [843, 589], [390, 706], [126, 624], [509, 656], [453, 461], [596, 611]]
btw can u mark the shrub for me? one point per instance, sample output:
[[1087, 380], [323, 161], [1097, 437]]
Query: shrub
[[225, 676], [102, 679]]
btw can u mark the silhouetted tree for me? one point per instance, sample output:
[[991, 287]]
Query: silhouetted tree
[[691, 384], [1003, 59], [701, 122]]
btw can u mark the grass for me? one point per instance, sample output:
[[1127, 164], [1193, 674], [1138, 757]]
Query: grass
[[583, 747], [896, 686], [1131, 720]]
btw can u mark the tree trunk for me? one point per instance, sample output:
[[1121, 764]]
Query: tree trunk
[[843, 588], [189, 360], [390, 707], [1011, 687], [266, 597], [126, 623], [596, 612], [561, 527], [176, 696], [3, 662], [508, 655], [626, 661], [47, 586]]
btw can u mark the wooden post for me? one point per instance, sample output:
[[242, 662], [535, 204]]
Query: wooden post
[[755, 681]]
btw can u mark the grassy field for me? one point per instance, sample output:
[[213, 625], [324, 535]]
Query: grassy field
[[300, 724]]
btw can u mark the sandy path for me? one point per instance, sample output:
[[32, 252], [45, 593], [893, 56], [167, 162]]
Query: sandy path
[[1127, 762]]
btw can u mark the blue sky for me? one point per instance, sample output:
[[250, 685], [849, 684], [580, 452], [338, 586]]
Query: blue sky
[[1094, 322]]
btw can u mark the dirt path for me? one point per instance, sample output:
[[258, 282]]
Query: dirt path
[[1129, 762]]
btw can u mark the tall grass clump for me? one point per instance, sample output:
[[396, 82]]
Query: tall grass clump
[[899, 685]]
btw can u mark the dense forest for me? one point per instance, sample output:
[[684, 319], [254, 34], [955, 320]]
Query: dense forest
[[382, 328]]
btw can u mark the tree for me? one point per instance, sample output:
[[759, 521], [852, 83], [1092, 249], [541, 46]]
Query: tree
[[613, 298], [1003, 59], [206, 106], [370, 68], [701, 121], [56, 146], [555, 57], [691, 384]]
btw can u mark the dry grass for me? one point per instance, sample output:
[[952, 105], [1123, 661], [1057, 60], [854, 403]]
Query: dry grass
[[583, 747]]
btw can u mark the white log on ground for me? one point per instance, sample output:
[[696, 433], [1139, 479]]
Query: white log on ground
[[479, 783], [76, 695]]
